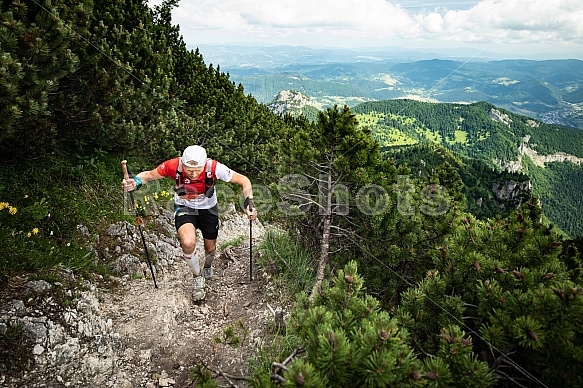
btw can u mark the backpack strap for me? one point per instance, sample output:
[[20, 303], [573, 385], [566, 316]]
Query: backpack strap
[[179, 175], [210, 177], [211, 171], [179, 180]]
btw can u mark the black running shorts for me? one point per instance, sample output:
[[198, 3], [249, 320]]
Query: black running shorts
[[207, 220]]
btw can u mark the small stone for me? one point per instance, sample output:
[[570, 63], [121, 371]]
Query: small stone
[[166, 382], [38, 350], [125, 384]]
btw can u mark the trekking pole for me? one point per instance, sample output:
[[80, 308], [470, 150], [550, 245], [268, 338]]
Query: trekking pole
[[250, 245], [126, 176]]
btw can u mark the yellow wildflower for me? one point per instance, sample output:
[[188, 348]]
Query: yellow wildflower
[[25, 196], [3, 205], [35, 231], [12, 210]]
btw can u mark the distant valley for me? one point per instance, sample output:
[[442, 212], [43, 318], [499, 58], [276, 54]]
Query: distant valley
[[497, 116], [550, 90]]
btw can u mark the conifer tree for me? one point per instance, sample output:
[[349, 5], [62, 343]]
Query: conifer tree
[[120, 91], [36, 53], [400, 240], [503, 281], [84, 75], [349, 341], [344, 158]]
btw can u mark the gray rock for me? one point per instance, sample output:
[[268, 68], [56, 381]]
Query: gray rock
[[35, 328], [164, 250], [14, 307], [128, 264], [166, 382], [121, 228], [38, 286], [83, 229]]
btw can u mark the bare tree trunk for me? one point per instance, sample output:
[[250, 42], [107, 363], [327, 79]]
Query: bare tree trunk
[[325, 242]]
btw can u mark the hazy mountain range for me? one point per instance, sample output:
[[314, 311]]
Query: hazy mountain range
[[548, 90]]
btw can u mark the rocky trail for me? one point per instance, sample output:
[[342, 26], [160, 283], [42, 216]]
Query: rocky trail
[[134, 335]]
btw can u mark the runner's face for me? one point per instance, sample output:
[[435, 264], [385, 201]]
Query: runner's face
[[193, 172]]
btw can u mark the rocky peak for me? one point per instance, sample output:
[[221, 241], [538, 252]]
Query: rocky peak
[[290, 101], [496, 115]]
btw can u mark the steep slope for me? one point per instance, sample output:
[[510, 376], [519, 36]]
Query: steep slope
[[489, 193], [552, 156], [123, 332]]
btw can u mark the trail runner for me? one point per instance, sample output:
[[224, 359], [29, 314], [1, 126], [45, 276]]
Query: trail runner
[[195, 205]]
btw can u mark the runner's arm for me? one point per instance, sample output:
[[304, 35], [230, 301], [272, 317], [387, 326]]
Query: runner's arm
[[245, 184]]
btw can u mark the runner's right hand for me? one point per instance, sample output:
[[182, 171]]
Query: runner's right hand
[[128, 184]]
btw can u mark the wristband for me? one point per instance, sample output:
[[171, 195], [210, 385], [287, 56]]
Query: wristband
[[138, 182]]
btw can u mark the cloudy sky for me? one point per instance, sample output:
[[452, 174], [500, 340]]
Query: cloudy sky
[[517, 27]]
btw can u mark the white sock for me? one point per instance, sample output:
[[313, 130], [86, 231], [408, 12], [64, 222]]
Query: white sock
[[208, 259], [192, 262]]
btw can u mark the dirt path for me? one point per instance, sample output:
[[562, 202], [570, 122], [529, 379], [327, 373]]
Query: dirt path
[[164, 333]]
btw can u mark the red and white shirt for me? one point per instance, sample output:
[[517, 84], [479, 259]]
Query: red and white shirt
[[199, 201]]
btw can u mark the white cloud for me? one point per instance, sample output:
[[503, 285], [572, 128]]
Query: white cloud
[[310, 22], [361, 17], [512, 21]]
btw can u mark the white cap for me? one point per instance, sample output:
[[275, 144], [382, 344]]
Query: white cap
[[194, 156]]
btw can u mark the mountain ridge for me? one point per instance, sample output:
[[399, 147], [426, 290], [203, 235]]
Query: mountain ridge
[[548, 90]]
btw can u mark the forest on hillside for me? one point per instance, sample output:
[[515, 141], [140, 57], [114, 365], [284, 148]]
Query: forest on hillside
[[489, 193], [410, 288], [494, 137]]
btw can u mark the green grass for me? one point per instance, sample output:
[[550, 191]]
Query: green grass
[[391, 137], [276, 348], [292, 265], [459, 137], [293, 271], [41, 215], [371, 118], [233, 242], [429, 134]]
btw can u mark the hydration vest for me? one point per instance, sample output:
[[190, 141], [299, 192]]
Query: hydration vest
[[192, 188]]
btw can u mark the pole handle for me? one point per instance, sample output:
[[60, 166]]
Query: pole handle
[[124, 168]]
